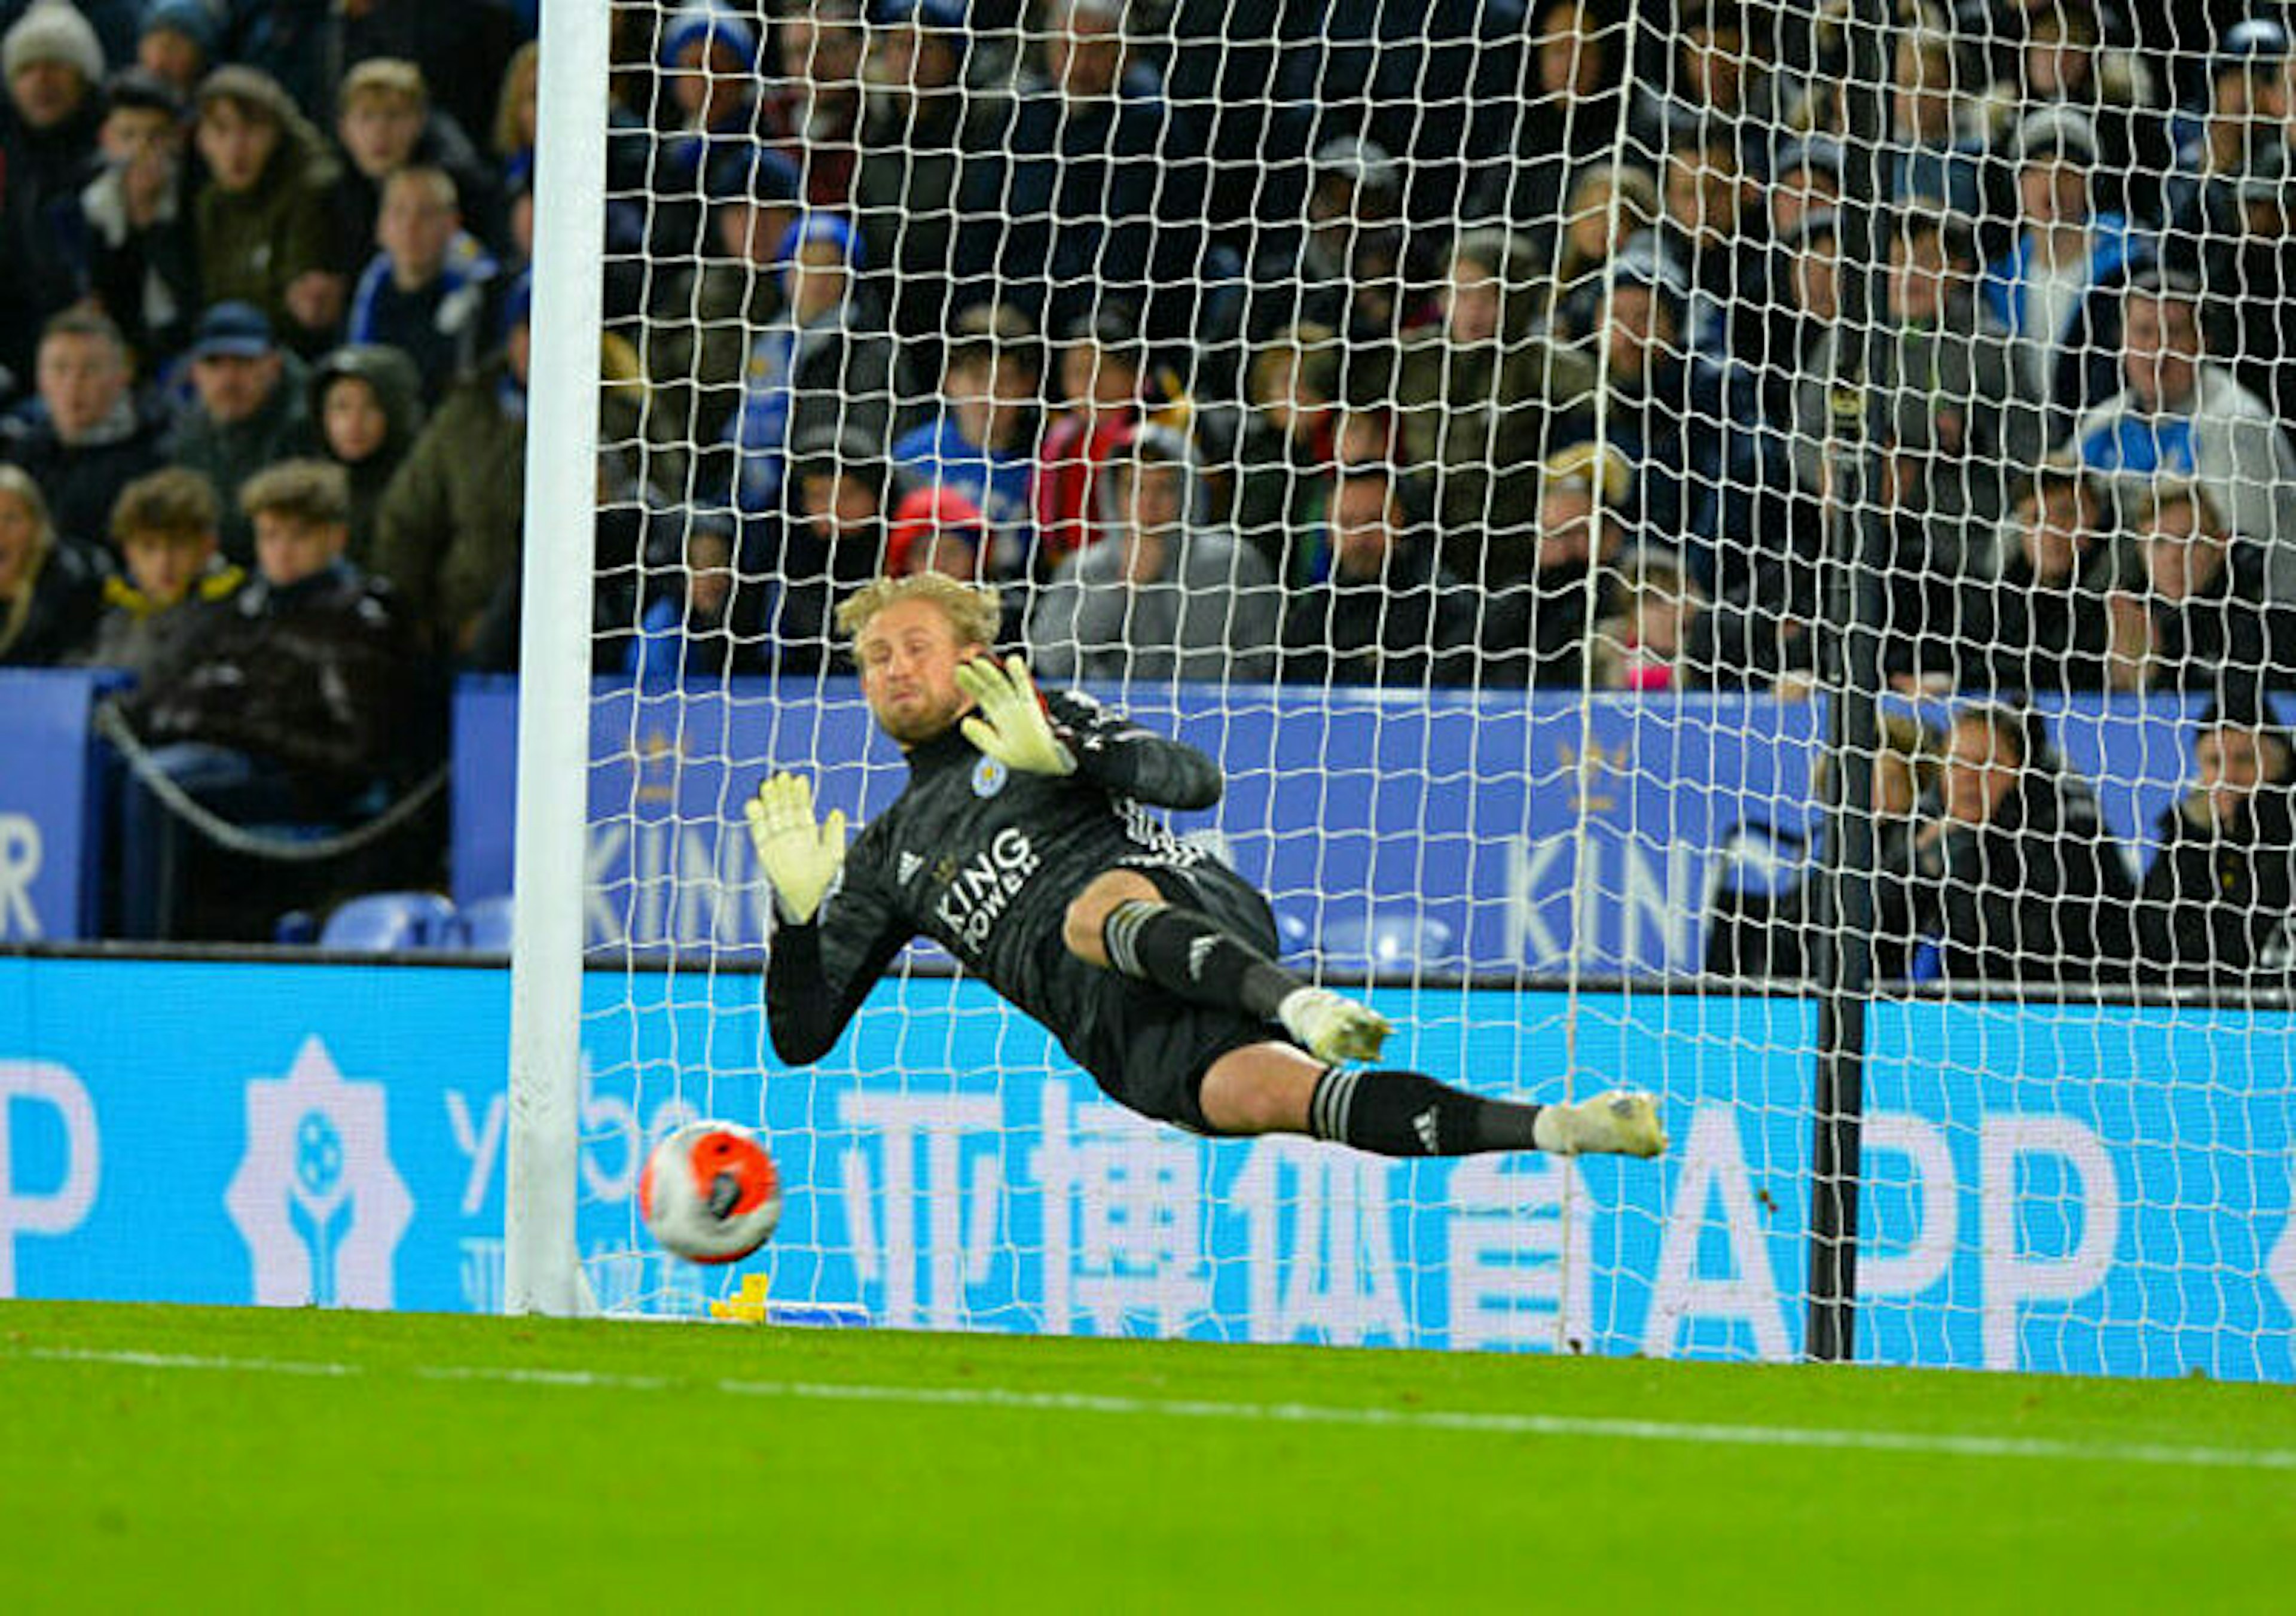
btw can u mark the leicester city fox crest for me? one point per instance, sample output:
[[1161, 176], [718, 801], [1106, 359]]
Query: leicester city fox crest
[[989, 777]]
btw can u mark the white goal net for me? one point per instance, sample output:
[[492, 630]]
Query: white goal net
[[1747, 550]]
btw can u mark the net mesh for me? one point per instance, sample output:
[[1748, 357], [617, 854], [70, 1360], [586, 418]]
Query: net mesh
[[1507, 438]]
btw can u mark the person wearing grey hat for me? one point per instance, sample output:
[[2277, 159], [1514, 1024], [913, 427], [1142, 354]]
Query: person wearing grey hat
[[2249, 100], [2055, 290], [54, 68], [1341, 271]]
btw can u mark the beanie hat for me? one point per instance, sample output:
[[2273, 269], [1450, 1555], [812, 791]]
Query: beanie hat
[[194, 20], [53, 30]]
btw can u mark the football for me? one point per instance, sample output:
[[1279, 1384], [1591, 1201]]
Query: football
[[710, 1193]]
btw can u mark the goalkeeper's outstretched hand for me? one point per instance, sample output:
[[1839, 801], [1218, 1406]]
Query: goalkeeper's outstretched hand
[[1010, 726], [799, 856]]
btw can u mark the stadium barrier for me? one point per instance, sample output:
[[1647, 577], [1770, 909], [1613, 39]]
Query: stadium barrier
[[1505, 824], [1511, 821], [331, 1134]]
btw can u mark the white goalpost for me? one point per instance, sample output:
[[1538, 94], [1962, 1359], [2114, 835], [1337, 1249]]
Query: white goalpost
[[1738, 549]]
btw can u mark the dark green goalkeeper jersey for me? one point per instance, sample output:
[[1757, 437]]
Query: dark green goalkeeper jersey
[[985, 860]]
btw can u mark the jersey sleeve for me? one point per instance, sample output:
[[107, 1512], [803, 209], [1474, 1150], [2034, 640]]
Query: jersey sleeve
[[818, 972], [1113, 752]]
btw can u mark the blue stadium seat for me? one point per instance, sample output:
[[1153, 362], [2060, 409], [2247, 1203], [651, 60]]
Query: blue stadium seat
[[483, 927], [1295, 938], [384, 922], [1393, 941]]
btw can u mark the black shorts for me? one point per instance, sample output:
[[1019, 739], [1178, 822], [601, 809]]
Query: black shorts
[[1149, 1050]]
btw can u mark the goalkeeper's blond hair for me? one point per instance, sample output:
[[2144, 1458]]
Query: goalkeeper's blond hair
[[973, 610]]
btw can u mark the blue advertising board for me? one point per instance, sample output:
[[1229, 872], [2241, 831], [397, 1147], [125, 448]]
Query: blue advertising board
[[2074, 1189], [1536, 832], [53, 783]]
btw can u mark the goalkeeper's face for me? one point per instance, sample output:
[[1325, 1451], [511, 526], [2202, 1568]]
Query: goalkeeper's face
[[909, 654]]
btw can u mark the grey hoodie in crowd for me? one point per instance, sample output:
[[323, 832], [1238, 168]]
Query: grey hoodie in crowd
[[1211, 612]]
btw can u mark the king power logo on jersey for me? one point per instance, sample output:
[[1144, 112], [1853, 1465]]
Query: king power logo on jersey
[[316, 1198]]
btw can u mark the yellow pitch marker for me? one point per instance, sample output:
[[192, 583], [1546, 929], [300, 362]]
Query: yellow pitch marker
[[749, 1307]]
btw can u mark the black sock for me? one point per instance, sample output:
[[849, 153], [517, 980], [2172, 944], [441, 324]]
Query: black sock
[[1187, 953], [1407, 1113]]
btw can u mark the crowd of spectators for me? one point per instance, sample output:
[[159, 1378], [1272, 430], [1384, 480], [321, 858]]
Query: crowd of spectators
[[1507, 345]]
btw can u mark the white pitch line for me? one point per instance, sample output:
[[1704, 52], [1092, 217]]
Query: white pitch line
[[1947, 1444]]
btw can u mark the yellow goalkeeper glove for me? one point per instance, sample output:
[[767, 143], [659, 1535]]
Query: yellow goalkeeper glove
[[799, 857], [1010, 726]]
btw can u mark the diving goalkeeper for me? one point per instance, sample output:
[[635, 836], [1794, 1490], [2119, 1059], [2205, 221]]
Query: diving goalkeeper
[[1020, 846]]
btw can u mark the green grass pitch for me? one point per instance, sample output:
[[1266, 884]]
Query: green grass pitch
[[183, 1458]]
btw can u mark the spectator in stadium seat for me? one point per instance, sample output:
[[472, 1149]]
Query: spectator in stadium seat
[[1717, 76], [2250, 105], [708, 64], [1342, 269], [174, 577], [2243, 252], [133, 235], [300, 699], [811, 109], [2037, 620], [1819, 351], [518, 114], [429, 291], [1705, 230], [1608, 207], [2015, 875], [937, 530], [87, 435], [367, 407], [1098, 395], [2057, 290], [2201, 611], [2064, 63], [2180, 414], [1936, 152], [461, 49], [687, 631], [263, 226], [1569, 117], [1645, 645], [1063, 201], [911, 147], [1538, 613], [1289, 438], [48, 131], [1164, 594], [1805, 179], [696, 341], [1472, 396], [1691, 426], [825, 364], [448, 531], [178, 41], [1952, 417], [982, 444], [841, 489], [249, 409], [1775, 935], [384, 122], [1382, 610], [2217, 902], [51, 589]]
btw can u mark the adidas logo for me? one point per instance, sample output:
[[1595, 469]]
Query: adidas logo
[[911, 863], [1424, 1125]]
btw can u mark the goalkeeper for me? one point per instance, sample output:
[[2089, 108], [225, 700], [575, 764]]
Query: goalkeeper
[[1021, 847]]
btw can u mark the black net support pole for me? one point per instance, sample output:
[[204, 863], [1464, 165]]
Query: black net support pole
[[1855, 608]]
